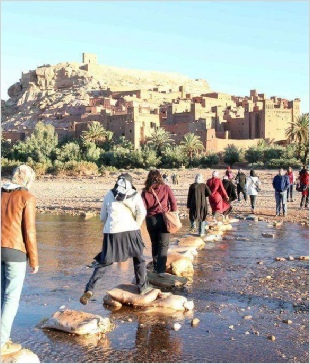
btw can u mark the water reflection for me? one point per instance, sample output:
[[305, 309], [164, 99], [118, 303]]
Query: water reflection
[[67, 244]]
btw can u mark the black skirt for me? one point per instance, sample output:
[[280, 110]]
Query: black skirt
[[118, 247]]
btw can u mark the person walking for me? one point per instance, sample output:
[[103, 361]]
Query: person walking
[[229, 173], [290, 190], [219, 200], [230, 188], [304, 183], [18, 244], [241, 182], [156, 190], [281, 183], [252, 186], [197, 204], [122, 212]]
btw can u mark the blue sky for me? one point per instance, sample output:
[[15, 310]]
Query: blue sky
[[234, 45]]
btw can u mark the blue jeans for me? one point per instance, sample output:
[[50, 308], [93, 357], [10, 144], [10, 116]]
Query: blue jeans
[[281, 199], [12, 280]]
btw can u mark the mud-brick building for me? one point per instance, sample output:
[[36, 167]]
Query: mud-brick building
[[135, 123]]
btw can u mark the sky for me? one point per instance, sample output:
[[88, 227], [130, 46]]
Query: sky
[[235, 46]]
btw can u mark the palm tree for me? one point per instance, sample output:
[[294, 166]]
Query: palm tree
[[191, 144], [95, 133], [159, 140], [298, 132]]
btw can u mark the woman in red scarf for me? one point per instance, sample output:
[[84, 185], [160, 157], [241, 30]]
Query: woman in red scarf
[[219, 200]]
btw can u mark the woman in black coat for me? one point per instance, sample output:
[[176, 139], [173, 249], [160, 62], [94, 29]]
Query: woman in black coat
[[197, 204]]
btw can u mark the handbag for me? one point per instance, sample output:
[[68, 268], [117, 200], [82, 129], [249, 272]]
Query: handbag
[[171, 218], [299, 187]]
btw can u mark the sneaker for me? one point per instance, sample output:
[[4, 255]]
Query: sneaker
[[86, 297], [9, 347]]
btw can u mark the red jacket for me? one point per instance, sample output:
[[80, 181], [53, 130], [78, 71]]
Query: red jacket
[[165, 196], [218, 198]]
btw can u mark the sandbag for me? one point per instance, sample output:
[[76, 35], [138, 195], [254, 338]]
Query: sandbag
[[78, 322], [174, 248], [21, 356], [182, 267], [128, 294], [109, 301], [233, 220], [192, 241], [174, 302], [212, 237], [226, 227]]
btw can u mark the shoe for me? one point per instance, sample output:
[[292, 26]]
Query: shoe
[[86, 297], [9, 347], [93, 264], [147, 288]]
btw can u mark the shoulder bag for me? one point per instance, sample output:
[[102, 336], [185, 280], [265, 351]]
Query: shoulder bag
[[171, 218]]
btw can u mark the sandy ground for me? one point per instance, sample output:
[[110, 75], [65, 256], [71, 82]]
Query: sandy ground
[[83, 195]]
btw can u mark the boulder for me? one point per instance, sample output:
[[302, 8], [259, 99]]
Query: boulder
[[78, 322]]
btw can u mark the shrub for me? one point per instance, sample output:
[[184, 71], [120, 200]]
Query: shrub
[[209, 160], [74, 168]]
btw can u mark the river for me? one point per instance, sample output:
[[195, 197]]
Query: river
[[229, 283]]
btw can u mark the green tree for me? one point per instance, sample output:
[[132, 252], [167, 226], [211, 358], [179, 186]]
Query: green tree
[[298, 132], [95, 133], [69, 152], [232, 154], [40, 146], [159, 140], [191, 145]]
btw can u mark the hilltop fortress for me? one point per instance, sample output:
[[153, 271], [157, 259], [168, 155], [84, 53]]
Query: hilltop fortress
[[134, 103]]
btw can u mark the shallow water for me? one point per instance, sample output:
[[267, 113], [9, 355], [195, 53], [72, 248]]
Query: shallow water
[[227, 285]]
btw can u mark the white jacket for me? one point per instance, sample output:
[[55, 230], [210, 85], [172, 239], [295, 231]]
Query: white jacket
[[250, 185], [121, 216]]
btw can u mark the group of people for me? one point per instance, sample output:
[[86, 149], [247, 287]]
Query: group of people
[[123, 211], [221, 193]]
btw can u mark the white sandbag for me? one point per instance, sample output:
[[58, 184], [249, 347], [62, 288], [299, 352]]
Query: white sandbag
[[174, 302], [191, 241], [21, 356], [182, 267], [211, 237], [232, 221], [128, 294], [78, 322], [226, 227]]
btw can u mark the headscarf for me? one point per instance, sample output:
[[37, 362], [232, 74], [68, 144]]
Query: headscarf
[[215, 174], [22, 176], [199, 178], [122, 187]]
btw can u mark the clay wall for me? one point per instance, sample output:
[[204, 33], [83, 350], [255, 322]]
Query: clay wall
[[89, 58]]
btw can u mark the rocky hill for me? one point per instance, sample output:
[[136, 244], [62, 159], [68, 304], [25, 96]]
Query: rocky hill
[[66, 87]]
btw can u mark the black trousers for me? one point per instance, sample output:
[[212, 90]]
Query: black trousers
[[99, 272], [160, 241], [243, 191]]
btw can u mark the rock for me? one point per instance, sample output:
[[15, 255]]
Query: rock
[[247, 317], [268, 277], [176, 327], [268, 235], [302, 257], [280, 259], [289, 322], [291, 258], [22, 356], [195, 322], [271, 337]]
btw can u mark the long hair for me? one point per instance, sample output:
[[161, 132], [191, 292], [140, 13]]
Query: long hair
[[154, 179], [252, 173]]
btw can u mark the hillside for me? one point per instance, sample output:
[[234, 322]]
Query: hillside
[[66, 87]]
